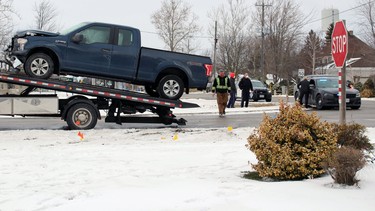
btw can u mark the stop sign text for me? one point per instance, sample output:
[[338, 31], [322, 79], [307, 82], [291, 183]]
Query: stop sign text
[[338, 44]]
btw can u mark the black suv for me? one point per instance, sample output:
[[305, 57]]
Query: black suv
[[260, 91], [324, 92]]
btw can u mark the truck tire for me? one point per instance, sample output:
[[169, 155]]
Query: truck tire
[[355, 107], [171, 87], [81, 116], [39, 65]]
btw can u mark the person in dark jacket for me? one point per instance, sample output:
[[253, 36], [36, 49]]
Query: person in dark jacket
[[233, 90], [246, 86], [304, 89], [221, 87]]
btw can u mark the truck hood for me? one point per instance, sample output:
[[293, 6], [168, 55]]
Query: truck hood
[[36, 33]]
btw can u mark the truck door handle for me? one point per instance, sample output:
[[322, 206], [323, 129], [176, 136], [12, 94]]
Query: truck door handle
[[105, 50]]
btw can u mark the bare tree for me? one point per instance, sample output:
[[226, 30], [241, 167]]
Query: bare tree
[[45, 15], [6, 21], [366, 11], [176, 24], [284, 21], [232, 20]]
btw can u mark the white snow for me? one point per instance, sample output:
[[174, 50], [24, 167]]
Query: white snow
[[157, 169]]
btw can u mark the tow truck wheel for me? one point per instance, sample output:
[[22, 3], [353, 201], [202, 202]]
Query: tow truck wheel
[[81, 116], [39, 65], [171, 87]]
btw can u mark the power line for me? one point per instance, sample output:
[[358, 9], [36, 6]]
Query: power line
[[350, 9], [210, 37]]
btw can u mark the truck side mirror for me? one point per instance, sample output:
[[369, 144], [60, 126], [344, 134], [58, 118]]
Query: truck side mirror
[[77, 38]]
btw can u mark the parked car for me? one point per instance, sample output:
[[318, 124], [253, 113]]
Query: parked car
[[324, 93], [260, 91], [110, 52]]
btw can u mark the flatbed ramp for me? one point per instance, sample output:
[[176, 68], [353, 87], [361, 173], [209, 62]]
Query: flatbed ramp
[[86, 109]]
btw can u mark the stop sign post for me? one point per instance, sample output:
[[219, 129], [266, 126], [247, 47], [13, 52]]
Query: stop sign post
[[339, 49]]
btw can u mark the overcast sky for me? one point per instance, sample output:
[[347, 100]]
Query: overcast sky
[[137, 14]]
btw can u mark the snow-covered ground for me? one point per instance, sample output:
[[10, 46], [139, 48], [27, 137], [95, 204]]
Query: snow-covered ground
[[157, 169]]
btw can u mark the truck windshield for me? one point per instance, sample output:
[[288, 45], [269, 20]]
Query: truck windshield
[[327, 83], [73, 28]]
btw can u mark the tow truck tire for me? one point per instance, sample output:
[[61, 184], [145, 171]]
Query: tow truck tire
[[39, 65], [171, 87], [81, 116]]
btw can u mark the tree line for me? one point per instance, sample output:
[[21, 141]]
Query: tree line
[[266, 38]]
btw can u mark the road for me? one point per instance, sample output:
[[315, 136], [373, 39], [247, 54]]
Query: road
[[364, 116]]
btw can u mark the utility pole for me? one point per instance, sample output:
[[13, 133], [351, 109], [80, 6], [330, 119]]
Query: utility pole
[[215, 47], [263, 74]]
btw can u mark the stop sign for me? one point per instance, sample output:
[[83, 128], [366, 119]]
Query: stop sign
[[339, 44]]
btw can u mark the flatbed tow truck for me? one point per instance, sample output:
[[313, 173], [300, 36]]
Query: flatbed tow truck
[[81, 111]]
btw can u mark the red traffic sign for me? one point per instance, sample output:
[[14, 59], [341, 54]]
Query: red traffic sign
[[339, 44]]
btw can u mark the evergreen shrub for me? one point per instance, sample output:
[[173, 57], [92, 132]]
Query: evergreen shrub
[[293, 145], [358, 86], [368, 89]]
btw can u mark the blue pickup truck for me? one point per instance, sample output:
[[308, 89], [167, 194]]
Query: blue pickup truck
[[111, 52]]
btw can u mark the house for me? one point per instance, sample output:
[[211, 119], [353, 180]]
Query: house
[[360, 60]]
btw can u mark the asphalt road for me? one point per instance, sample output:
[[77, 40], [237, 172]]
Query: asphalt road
[[365, 116]]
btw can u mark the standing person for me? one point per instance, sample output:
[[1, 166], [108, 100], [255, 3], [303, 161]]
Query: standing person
[[304, 89], [246, 86], [233, 90], [221, 87]]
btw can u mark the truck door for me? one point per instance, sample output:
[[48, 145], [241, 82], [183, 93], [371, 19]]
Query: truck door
[[92, 54], [124, 58]]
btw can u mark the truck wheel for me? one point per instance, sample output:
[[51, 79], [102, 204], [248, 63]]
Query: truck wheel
[[151, 91], [81, 116], [171, 87], [39, 65]]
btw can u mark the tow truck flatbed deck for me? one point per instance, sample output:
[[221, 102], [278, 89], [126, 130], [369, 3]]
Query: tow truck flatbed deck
[[82, 112], [91, 90]]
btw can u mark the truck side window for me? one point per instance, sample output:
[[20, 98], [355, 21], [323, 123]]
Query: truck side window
[[125, 37], [96, 34]]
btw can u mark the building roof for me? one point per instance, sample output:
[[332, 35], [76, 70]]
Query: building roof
[[356, 49]]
